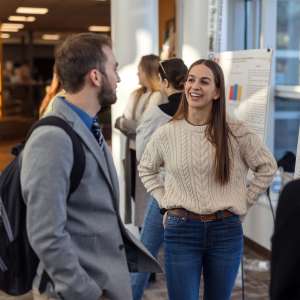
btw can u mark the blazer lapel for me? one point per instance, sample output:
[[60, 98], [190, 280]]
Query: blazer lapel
[[113, 173], [61, 109]]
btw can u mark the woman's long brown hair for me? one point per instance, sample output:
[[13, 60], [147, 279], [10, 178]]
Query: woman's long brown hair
[[217, 130]]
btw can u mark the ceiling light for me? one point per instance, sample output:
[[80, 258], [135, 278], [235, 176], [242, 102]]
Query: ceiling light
[[9, 29], [5, 35], [32, 10], [12, 25], [99, 28], [50, 37], [21, 18]]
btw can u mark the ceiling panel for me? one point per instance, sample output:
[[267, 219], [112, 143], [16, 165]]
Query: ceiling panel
[[63, 15]]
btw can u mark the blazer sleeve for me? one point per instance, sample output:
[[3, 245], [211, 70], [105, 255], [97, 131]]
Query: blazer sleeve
[[45, 180]]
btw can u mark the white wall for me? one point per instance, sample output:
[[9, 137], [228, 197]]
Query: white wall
[[134, 26], [192, 20]]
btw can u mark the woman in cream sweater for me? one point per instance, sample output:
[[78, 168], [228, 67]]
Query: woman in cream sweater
[[206, 157]]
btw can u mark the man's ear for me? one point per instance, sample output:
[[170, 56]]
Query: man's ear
[[95, 77]]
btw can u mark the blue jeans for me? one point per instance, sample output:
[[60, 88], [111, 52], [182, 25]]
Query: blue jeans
[[192, 247], [152, 237]]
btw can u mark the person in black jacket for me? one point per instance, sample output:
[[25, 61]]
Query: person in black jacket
[[285, 260]]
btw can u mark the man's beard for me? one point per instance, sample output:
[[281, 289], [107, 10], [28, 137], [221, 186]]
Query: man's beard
[[107, 96]]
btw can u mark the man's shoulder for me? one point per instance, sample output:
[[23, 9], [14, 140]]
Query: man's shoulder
[[48, 137]]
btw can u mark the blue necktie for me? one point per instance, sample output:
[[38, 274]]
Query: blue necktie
[[96, 130]]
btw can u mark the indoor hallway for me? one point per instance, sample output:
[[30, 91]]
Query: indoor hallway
[[256, 282]]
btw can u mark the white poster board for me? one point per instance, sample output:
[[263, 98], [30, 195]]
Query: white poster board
[[247, 81], [297, 167]]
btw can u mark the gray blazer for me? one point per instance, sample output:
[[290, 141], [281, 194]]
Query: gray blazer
[[83, 245]]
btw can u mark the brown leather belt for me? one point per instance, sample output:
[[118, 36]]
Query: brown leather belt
[[181, 212]]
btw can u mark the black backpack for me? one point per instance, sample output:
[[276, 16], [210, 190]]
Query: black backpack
[[18, 262]]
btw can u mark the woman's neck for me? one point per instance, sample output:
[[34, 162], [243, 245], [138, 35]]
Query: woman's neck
[[171, 91], [198, 117]]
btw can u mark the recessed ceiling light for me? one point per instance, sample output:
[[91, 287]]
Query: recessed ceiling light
[[99, 28], [5, 35], [32, 10], [12, 25], [9, 29], [50, 37], [21, 18]]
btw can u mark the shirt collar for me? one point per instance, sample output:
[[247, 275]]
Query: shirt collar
[[84, 116]]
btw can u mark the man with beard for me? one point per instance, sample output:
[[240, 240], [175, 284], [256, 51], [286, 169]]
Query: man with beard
[[84, 250]]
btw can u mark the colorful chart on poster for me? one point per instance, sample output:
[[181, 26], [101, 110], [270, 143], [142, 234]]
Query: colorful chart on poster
[[235, 93], [247, 80]]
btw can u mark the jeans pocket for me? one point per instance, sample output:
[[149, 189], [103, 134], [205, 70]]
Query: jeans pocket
[[233, 226], [232, 220]]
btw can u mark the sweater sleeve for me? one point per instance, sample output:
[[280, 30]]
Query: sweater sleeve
[[149, 167], [259, 160]]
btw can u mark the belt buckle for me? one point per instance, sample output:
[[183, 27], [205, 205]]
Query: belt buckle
[[220, 215], [205, 218]]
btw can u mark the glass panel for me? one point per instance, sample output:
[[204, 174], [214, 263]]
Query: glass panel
[[287, 122], [288, 42], [253, 28], [247, 34]]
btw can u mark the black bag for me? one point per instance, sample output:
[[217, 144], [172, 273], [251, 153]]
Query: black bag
[[18, 262]]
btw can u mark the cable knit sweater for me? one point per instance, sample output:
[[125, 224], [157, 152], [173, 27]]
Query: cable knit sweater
[[188, 157]]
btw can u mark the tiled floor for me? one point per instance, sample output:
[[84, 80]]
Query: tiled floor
[[256, 284]]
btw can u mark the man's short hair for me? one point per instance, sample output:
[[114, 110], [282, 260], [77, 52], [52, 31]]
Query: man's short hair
[[77, 55]]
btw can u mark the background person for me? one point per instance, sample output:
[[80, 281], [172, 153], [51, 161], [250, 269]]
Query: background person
[[285, 254], [141, 100], [206, 158], [172, 75]]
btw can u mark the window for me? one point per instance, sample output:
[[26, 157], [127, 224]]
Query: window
[[288, 42], [244, 26], [287, 100]]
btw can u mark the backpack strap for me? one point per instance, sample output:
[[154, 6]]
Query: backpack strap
[[78, 152]]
